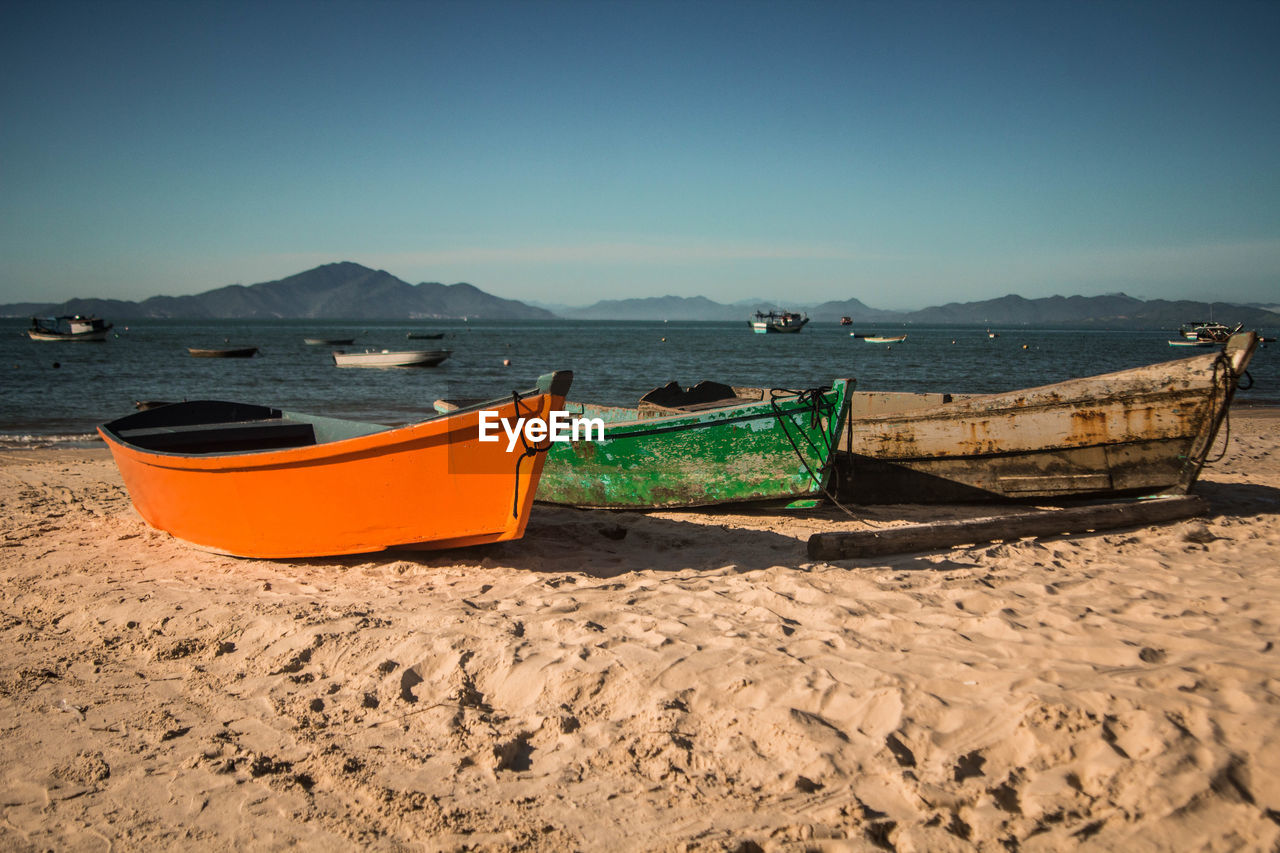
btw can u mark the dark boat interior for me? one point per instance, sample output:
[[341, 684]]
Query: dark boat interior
[[216, 427]]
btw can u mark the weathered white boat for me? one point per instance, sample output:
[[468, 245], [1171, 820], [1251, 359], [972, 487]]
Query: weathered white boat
[[1146, 430], [883, 339], [391, 358]]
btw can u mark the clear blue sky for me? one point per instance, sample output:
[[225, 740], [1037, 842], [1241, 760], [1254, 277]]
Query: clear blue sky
[[905, 153]]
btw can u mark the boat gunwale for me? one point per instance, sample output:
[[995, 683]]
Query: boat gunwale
[[384, 440], [732, 412], [969, 404]]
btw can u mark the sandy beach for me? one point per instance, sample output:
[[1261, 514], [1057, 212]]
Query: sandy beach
[[642, 681]]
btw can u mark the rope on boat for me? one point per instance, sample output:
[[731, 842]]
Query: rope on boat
[[1229, 378], [529, 450], [813, 399]]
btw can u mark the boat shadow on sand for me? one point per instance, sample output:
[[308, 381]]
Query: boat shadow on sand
[[1237, 499], [607, 544]]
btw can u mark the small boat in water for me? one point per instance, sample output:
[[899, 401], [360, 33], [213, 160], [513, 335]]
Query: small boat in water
[[1204, 334], [391, 358], [1140, 431], [1211, 331], [883, 339], [255, 481], [69, 327], [417, 336], [777, 322], [683, 447], [333, 342], [223, 352]]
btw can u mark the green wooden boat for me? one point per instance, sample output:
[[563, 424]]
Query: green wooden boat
[[709, 444]]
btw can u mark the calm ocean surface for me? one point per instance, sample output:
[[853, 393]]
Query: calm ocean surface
[[58, 392]]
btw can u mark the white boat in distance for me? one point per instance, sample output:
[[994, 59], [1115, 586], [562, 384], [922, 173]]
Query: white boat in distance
[[391, 358], [69, 327]]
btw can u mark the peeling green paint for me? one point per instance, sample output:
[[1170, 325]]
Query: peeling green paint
[[746, 451]]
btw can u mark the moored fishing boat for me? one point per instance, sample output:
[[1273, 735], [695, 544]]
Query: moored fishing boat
[[222, 352], [255, 481], [1139, 431], [883, 339], [1204, 334], [710, 444], [777, 322], [69, 327], [336, 342], [1201, 330], [391, 358]]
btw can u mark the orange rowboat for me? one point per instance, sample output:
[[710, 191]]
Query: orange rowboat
[[252, 481]]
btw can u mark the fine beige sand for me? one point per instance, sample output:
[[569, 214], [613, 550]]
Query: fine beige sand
[[628, 681]]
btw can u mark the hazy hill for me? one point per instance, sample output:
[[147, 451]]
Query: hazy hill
[[1017, 310], [340, 291], [664, 308], [1110, 311], [1167, 314], [854, 309], [24, 309]]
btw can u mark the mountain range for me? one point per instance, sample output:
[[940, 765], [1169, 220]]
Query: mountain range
[[349, 291], [340, 291]]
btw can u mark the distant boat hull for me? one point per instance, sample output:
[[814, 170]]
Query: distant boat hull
[[97, 336], [1140, 431], [765, 328], [258, 482], [391, 358], [333, 342], [75, 327], [882, 339], [223, 352]]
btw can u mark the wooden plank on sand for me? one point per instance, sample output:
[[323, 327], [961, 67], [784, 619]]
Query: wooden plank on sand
[[1041, 522]]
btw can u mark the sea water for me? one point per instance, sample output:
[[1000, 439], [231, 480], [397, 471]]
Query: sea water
[[58, 392]]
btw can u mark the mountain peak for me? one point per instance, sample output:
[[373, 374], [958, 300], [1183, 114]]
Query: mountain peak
[[343, 290]]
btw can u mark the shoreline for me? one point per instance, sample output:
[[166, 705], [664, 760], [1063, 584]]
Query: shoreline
[[91, 440], [642, 681]]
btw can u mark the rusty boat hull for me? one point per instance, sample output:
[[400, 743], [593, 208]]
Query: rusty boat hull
[[1147, 430], [253, 481]]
